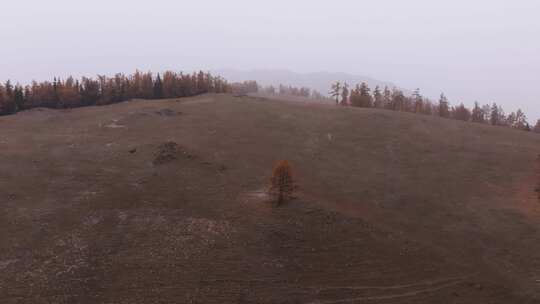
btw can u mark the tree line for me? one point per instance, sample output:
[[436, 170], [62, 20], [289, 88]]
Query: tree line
[[72, 93], [252, 86], [394, 99], [289, 90], [87, 91]]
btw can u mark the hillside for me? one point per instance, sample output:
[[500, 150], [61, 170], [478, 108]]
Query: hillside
[[319, 81], [98, 205]]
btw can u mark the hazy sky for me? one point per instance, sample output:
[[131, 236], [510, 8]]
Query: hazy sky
[[487, 50]]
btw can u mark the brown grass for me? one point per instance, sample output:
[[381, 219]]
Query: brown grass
[[394, 207]]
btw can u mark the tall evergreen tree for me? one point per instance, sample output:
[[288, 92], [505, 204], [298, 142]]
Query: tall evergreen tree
[[366, 100], [158, 88], [494, 115], [418, 101], [378, 99], [444, 107]]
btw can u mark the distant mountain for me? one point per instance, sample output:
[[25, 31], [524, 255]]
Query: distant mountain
[[319, 81]]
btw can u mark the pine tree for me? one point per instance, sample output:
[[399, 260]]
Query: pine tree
[[18, 99], [366, 100], [494, 115], [418, 101], [158, 88], [378, 100], [444, 108]]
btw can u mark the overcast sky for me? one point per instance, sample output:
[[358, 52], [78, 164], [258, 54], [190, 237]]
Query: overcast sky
[[486, 50]]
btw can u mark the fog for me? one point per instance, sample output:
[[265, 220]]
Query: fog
[[485, 50]]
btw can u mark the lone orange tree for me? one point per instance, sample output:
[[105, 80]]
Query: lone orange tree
[[282, 184]]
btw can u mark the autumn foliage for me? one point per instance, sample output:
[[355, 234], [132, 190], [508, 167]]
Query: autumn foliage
[[73, 93], [396, 100], [282, 184]]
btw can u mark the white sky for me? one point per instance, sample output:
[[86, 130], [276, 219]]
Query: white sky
[[487, 50]]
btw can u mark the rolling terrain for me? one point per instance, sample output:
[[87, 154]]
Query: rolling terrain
[[163, 201]]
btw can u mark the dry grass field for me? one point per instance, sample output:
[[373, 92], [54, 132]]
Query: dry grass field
[[164, 202]]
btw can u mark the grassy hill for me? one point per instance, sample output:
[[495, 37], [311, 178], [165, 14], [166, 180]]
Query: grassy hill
[[98, 205]]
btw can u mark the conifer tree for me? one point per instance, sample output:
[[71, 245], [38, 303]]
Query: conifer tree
[[366, 100], [378, 100], [444, 110], [158, 88], [282, 185], [418, 101], [494, 115]]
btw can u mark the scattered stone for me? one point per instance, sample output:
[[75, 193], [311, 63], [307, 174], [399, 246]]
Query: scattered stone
[[132, 151]]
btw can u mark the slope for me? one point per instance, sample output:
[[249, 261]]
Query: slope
[[99, 205]]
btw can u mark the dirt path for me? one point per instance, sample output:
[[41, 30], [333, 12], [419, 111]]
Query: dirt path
[[405, 290]]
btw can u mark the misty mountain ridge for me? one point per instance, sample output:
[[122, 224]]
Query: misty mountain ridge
[[319, 81]]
